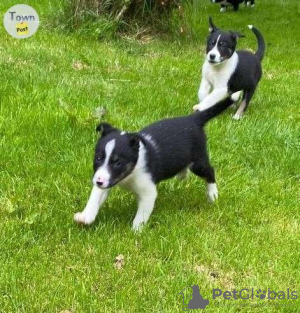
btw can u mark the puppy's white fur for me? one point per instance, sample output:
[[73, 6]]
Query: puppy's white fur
[[140, 182], [215, 77]]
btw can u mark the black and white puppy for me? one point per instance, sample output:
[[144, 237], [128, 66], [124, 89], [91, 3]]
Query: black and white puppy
[[139, 161], [228, 73], [234, 3]]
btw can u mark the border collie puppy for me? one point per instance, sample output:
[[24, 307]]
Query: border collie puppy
[[228, 73], [139, 161], [234, 3]]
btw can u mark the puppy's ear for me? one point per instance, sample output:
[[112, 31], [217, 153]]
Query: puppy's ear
[[104, 129], [212, 27], [236, 35], [134, 141]]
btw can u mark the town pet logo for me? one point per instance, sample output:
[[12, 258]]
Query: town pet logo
[[21, 21]]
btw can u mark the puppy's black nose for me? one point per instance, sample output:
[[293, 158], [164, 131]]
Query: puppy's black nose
[[212, 56]]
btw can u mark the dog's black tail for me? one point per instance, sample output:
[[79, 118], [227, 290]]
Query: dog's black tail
[[261, 42], [204, 116]]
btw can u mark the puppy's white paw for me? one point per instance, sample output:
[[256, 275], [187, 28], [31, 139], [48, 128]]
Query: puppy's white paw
[[212, 192], [196, 107], [222, 10], [137, 225], [237, 116], [82, 218], [248, 3]]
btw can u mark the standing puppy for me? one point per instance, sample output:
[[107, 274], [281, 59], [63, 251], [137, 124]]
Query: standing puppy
[[234, 3], [139, 161], [226, 72]]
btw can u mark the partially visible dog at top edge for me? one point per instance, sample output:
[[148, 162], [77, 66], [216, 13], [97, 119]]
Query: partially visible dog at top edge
[[227, 73], [233, 3]]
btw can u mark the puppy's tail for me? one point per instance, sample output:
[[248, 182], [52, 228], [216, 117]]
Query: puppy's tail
[[261, 42], [204, 116]]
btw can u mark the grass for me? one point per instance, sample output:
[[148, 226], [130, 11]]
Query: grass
[[249, 238]]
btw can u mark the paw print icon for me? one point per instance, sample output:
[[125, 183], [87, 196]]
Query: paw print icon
[[261, 294]]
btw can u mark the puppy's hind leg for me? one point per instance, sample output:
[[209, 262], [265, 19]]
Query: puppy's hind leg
[[236, 7], [203, 169], [223, 8], [235, 97], [244, 104]]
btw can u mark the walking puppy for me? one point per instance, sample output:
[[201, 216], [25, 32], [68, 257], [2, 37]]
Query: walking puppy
[[234, 3], [226, 73], [139, 161]]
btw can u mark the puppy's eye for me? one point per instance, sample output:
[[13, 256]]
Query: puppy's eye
[[222, 44], [99, 157], [118, 163], [212, 42]]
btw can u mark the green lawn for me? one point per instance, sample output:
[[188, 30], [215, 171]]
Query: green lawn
[[248, 239]]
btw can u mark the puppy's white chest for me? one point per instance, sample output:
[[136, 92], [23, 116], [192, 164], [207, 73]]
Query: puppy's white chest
[[218, 75]]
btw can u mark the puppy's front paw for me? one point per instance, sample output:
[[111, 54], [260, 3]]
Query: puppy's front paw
[[222, 10], [196, 107], [137, 226], [82, 218], [212, 192]]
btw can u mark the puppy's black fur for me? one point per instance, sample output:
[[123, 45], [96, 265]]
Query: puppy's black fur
[[172, 145]]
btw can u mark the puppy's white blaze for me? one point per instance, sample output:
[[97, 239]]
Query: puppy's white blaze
[[215, 51], [212, 191], [250, 26], [102, 174], [123, 133]]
